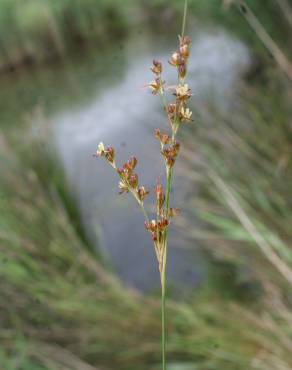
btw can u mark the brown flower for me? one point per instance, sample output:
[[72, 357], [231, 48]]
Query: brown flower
[[185, 114], [182, 69], [184, 51], [186, 40], [108, 153], [182, 92], [163, 138], [171, 153], [133, 181], [157, 67], [142, 193], [175, 59], [156, 86]]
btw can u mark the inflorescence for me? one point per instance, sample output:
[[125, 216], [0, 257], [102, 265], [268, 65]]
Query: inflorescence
[[177, 112]]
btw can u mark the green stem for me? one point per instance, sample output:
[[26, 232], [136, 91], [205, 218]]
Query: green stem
[[169, 172], [163, 272], [163, 341], [184, 19]]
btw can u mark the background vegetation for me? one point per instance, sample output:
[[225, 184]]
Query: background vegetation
[[60, 307]]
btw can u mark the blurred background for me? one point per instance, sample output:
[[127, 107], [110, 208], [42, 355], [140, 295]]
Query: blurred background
[[79, 287]]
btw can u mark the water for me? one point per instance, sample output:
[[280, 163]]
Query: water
[[124, 115], [104, 100]]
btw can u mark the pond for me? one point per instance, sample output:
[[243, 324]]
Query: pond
[[100, 97]]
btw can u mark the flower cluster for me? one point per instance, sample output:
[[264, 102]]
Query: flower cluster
[[157, 227], [129, 180], [177, 112], [179, 58], [170, 153]]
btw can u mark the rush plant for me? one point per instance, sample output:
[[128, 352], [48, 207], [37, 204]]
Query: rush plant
[[175, 104]]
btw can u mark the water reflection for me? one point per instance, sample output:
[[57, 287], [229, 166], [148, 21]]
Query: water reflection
[[124, 115]]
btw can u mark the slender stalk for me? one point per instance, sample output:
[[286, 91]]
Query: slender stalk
[[163, 273], [266, 39], [163, 331], [169, 173], [177, 113], [184, 18]]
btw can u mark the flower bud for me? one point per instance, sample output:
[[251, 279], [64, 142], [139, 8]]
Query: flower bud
[[171, 110], [175, 59], [131, 164], [157, 67], [184, 51], [160, 197], [182, 70], [186, 40], [110, 154]]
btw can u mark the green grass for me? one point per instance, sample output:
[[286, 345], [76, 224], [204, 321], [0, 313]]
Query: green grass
[[241, 165], [33, 31], [61, 307]]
